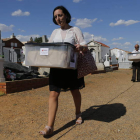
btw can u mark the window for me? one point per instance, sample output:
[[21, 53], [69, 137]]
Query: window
[[15, 44]]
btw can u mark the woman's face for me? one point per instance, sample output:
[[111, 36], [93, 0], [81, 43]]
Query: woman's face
[[60, 17]]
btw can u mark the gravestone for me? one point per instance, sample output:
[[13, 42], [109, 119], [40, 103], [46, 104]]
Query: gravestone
[[2, 79], [44, 38], [12, 55], [107, 61], [113, 59], [124, 63]]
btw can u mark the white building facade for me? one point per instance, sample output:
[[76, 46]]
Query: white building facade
[[121, 57]]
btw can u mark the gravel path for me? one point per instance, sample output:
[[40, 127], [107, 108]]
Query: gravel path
[[110, 105]]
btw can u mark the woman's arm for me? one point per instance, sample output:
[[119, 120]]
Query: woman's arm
[[80, 42], [81, 48]]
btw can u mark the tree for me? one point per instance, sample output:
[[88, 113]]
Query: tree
[[38, 40]]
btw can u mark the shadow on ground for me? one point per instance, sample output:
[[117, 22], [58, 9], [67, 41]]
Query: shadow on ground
[[105, 113]]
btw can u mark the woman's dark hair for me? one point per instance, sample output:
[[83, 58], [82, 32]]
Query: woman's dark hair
[[65, 11]]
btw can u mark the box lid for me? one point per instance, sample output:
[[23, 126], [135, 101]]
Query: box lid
[[50, 44]]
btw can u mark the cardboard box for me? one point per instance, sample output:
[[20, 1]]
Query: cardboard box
[[134, 57]]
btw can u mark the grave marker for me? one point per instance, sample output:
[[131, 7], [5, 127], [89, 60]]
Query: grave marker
[[107, 61], [44, 38]]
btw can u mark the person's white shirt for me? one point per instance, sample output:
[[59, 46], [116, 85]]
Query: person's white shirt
[[72, 35], [134, 51]]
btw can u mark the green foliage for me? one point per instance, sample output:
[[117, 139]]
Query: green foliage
[[2, 93], [1, 56], [38, 40]]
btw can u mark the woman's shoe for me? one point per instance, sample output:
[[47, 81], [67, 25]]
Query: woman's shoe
[[48, 131], [79, 118]]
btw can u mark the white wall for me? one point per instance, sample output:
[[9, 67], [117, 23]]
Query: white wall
[[116, 52]]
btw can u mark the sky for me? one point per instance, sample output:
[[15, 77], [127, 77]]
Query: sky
[[115, 23]]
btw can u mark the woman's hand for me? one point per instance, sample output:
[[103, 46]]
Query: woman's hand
[[80, 48]]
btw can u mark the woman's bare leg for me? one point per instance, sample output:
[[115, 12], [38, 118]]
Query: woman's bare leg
[[53, 105], [77, 100]]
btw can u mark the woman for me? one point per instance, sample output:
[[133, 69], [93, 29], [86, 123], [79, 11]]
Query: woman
[[64, 79]]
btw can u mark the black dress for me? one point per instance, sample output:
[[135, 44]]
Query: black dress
[[64, 80]]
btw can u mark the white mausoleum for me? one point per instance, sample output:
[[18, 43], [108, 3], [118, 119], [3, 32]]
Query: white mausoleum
[[98, 50]]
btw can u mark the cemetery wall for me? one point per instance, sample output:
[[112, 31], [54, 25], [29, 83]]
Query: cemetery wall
[[22, 85]]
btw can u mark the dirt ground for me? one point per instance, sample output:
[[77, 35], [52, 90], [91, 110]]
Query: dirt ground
[[110, 106]]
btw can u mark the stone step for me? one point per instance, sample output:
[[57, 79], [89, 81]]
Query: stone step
[[114, 67], [108, 69]]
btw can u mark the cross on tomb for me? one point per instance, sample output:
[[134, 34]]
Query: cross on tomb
[[92, 36], [106, 56], [107, 62]]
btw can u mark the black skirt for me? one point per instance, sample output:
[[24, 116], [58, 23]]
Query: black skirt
[[64, 80]]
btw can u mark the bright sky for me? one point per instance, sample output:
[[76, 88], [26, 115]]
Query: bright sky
[[115, 23]]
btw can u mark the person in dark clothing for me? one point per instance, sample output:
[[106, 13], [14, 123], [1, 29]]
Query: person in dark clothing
[[136, 66]]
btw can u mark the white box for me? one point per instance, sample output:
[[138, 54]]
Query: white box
[[134, 57], [51, 55]]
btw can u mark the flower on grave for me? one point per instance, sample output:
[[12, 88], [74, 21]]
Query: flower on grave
[[116, 58], [110, 58], [9, 75]]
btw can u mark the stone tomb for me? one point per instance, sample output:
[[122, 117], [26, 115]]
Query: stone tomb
[[124, 63], [96, 53], [113, 60], [12, 55]]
